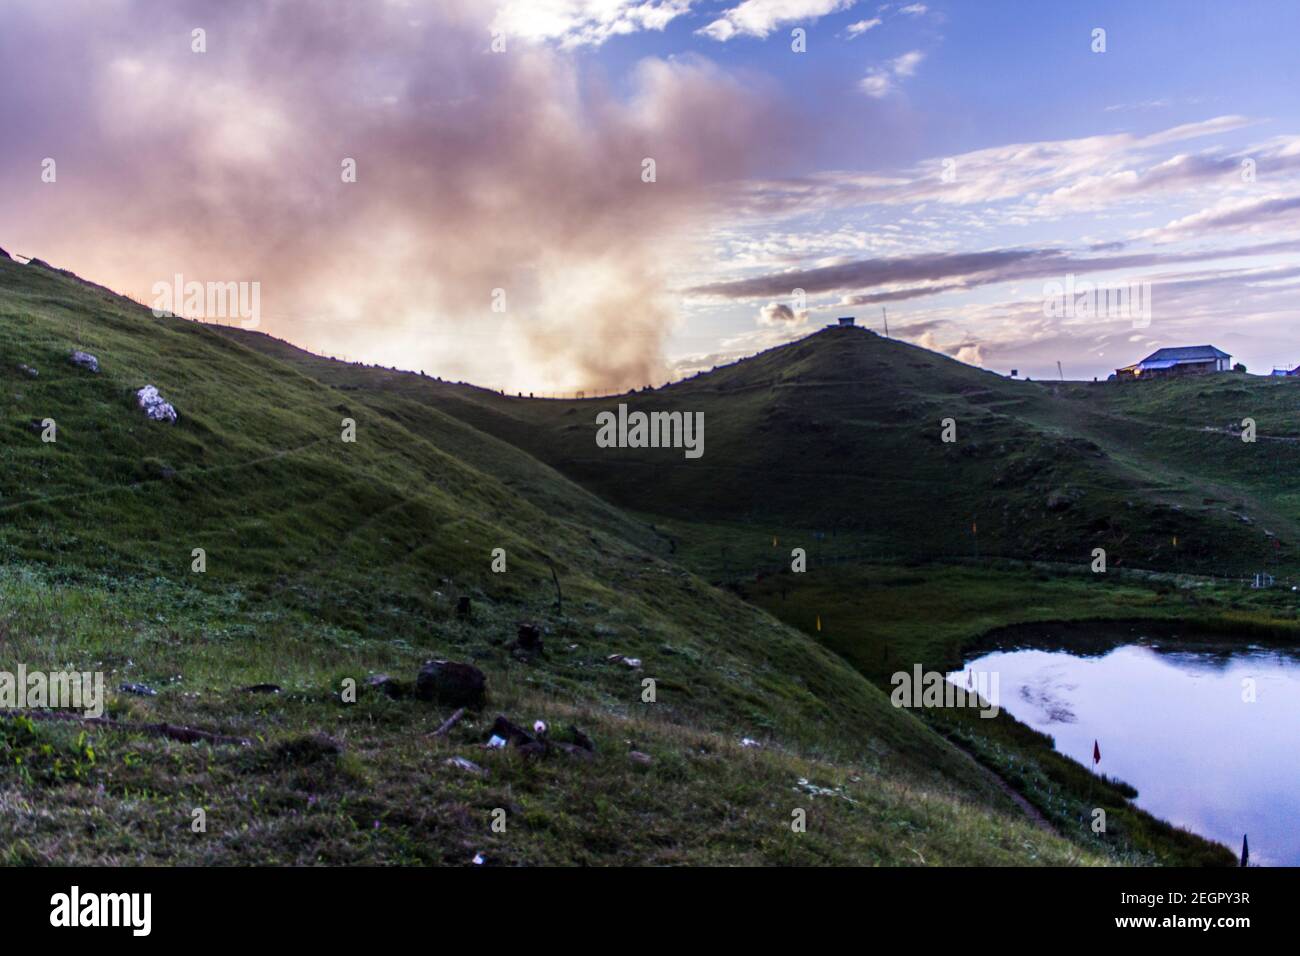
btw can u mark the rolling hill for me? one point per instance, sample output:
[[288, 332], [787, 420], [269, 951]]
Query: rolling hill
[[841, 433], [328, 560]]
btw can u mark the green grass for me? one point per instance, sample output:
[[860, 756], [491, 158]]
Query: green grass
[[335, 783], [840, 433], [329, 560]]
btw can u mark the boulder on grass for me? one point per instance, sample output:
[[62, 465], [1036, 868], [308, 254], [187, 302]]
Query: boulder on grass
[[85, 360], [388, 686], [451, 682], [529, 637], [155, 406]]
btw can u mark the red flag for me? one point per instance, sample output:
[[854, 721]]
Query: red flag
[[1096, 753]]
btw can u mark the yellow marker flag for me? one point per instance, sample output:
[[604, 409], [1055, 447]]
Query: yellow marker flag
[[819, 622]]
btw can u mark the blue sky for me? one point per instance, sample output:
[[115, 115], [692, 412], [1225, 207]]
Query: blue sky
[[955, 162]]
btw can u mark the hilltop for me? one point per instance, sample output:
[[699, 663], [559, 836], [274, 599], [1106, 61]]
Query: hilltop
[[841, 434]]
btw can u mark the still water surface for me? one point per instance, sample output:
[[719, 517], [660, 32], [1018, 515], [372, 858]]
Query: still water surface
[[1172, 722]]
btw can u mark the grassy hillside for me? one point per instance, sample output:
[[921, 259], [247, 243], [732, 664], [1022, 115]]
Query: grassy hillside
[[833, 444], [840, 434], [328, 560]]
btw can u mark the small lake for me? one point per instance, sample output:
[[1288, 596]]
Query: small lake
[[1170, 719]]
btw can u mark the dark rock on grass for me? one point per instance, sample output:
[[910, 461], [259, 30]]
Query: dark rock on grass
[[579, 753], [527, 643], [463, 608], [1060, 500], [581, 739], [504, 730], [529, 638], [637, 757], [262, 689], [85, 360], [307, 749], [28, 370], [505, 733], [451, 682], [535, 750], [390, 687], [140, 690]]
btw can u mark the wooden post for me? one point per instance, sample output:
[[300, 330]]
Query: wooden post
[[559, 595]]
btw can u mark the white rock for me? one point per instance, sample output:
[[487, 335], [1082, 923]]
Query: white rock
[[154, 406], [85, 360]]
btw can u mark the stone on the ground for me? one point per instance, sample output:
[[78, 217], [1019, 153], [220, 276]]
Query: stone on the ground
[[451, 682], [28, 370], [155, 406], [469, 766], [529, 637], [638, 757], [140, 690], [503, 729], [84, 360], [581, 739], [388, 686]]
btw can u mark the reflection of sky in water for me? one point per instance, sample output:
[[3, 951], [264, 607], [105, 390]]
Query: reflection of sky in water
[[1174, 725]]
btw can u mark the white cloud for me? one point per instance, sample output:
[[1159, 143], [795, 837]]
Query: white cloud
[[876, 83], [1046, 177], [1251, 214], [906, 64], [585, 22], [861, 27], [758, 18], [880, 81], [914, 9]]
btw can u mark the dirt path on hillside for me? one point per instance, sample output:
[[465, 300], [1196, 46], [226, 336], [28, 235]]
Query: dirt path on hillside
[[1032, 812]]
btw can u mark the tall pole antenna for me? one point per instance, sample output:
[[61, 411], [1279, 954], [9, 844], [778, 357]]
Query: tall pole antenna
[[885, 313], [1059, 371]]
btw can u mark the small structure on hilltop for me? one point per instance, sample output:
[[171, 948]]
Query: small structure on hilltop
[[1287, 372], [845, 321], [1183, 360]]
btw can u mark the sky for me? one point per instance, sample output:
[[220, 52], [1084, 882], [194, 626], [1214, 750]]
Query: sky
[[551, 195]]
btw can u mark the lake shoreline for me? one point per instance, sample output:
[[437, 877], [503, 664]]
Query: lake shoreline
[[1195, 724]]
